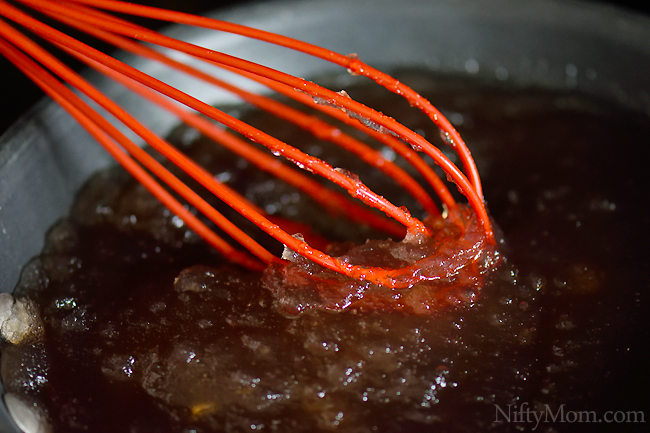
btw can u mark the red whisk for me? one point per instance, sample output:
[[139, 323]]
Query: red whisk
[[435, 259]]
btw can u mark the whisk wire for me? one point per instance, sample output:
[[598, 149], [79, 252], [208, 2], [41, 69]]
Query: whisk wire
[[339, 105]]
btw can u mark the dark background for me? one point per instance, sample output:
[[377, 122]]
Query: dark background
[[17, 94]]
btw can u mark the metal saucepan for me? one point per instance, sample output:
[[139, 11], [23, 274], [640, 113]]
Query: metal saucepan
[[594, 48]]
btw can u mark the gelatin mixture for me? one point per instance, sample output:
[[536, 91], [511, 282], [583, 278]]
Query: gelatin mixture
[[144, 329]]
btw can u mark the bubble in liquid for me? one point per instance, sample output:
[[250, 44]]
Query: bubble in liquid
[[456, 119], [571, 70], [224, 176], [501, 73], [471, 66], [388, 154]]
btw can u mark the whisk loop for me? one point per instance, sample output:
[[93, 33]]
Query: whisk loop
[[91, 17]]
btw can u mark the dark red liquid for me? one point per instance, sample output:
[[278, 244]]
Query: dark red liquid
[[137, 342]]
